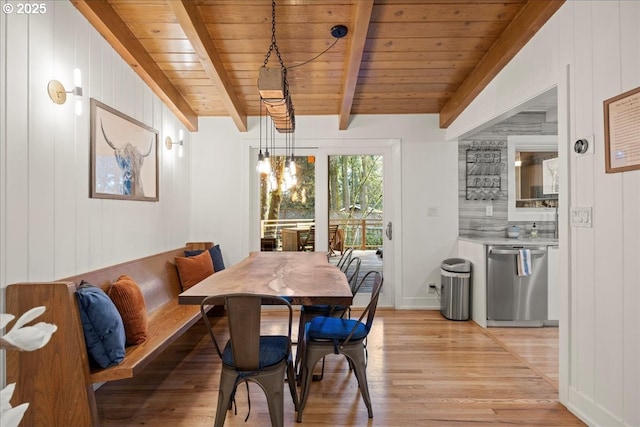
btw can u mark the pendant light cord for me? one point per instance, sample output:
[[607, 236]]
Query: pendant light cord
[[315, 57]]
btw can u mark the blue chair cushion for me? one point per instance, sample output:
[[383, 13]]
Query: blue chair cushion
[[273, 349], [102, 326], [216, 257], [335, 328]]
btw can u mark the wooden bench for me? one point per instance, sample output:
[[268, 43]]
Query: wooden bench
[[57, 380]]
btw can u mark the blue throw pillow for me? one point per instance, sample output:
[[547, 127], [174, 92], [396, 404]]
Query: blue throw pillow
[[216, 256], [102, 326]]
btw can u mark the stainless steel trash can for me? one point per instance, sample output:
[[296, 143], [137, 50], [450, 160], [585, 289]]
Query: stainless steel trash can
[[455, 274]]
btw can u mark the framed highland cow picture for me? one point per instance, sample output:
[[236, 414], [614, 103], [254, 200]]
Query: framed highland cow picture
[[124, 156]]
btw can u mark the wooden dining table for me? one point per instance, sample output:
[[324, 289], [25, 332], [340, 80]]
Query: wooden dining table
[[304, 278]]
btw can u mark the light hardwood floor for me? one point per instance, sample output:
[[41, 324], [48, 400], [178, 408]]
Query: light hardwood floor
[[423, 371]]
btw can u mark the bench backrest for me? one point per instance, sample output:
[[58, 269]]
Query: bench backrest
[[158, 279], [156, 275]]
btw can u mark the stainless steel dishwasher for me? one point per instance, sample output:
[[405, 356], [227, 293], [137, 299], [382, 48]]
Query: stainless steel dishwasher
[[514, 300]]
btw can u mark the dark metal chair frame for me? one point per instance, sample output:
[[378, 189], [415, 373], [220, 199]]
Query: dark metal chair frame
[[247, 364], [353, 349]]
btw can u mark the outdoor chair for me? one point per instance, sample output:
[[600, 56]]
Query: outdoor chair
[[250, 356], [325, 335], [334, 240], [309, 241]]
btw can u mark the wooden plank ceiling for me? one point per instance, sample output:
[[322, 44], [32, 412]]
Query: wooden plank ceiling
[[202, 57]]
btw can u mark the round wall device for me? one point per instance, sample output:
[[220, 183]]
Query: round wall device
[[339, 31], [581, 146]]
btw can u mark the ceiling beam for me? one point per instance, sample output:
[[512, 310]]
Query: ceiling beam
[[108, 23], [359, 29], [531, 18], [190, 20]]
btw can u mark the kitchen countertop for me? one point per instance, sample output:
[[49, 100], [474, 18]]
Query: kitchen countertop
[[546, 241]]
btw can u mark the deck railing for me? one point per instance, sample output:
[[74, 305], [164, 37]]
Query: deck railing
[[365, 233]]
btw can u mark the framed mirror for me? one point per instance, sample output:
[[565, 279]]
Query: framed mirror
[[532, 176]]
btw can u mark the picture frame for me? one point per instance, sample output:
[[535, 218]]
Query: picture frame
[[622, 132], [124, 156]]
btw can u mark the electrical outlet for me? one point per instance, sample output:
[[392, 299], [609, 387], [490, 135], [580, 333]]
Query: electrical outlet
[[432, 287], [489, 210]]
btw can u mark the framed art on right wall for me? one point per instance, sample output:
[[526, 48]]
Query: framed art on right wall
[[622, 132]]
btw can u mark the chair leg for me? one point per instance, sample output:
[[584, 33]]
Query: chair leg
[[321, 376], [299, 344], [357, 358], [306, 374], [273, 386], [227, 385], [291, 379], [276, 408]]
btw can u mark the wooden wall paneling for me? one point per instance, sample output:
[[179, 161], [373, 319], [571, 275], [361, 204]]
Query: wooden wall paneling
[[3, 166], [108, 210], [583, 247], [42, 122], [630, 78], [151, 116], [64, 163], [80, 151], [92, 253], [142, 101], [17, 149], [570, 311], [140, 223], [168, 163], [610, 230]]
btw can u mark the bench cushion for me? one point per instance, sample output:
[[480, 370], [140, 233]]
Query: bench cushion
[[127, 297], [102, 326], [194, 269]]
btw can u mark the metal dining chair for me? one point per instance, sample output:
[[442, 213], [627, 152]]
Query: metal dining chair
[[326, 335], [250, 356], [345, 258], [309, 312]]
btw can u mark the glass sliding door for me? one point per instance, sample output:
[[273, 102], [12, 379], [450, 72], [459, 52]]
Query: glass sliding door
[[357, 194], [287, 203], [356, 209]]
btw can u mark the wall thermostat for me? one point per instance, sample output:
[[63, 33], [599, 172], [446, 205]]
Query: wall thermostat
[[581, 146]]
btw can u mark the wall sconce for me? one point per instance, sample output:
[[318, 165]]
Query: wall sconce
[[58, 94], [169, 143]]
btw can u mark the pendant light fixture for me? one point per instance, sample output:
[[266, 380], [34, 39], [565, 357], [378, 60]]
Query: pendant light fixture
[[276, 101]]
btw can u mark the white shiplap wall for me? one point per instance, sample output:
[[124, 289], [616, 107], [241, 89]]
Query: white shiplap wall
[[599, 41], [49, 227], [53, 229]]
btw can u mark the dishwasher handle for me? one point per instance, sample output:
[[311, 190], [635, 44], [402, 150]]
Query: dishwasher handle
[[515, 251]]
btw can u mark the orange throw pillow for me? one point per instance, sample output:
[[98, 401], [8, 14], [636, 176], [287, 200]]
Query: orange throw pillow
[[127, 297], [193, 269]]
